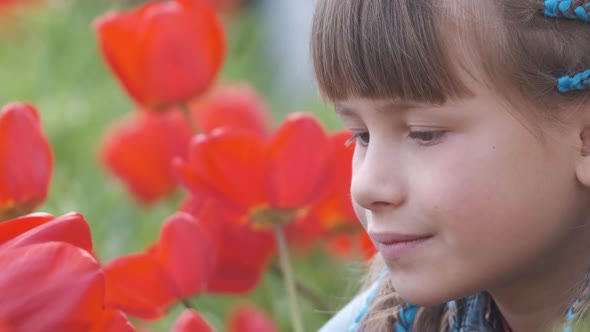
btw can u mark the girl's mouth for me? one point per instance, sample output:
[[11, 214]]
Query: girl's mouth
[[393, 246]]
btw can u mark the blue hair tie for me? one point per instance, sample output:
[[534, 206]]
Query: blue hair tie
[[580, 81], [559, 8]]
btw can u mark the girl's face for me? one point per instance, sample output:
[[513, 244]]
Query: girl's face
[[498, 203]]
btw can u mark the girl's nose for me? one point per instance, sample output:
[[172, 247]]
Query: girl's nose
[[377, 180]]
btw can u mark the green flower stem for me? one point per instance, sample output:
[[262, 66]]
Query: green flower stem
[[307, 292], [186, 111], [289, 278], [187, 304]]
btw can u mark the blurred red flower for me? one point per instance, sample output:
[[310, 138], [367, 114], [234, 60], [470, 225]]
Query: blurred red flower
[[245, 253], [6, 6], [248, 318], [341, 230], [261, 182], [164, 52], [26, 160], [140, 149], [225, 5], [54, 254], [367, 246], [332, 218], [191, 321], [235, 106], [176, 267]]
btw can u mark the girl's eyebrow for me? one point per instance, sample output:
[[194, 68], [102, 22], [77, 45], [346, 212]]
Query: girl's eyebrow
[[342, 110]]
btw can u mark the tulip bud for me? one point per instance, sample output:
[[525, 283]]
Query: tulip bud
[[26, 161]]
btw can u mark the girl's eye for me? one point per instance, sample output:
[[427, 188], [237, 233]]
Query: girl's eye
[[426, 138], [361, 138]]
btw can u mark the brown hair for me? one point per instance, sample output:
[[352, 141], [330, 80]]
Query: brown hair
[[428, 51], [420, 50]]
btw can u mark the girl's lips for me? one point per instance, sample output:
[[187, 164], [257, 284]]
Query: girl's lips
[[392, 246]]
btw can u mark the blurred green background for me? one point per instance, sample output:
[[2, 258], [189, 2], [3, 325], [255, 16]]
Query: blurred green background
[[48, 56]]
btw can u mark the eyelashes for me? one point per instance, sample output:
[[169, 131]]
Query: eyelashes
[[360, 138], [422, 138], [426, 138]]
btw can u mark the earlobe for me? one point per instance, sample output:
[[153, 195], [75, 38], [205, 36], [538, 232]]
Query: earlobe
[[583, 164]]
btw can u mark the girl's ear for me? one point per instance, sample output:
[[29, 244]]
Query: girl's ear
[[583, 165]]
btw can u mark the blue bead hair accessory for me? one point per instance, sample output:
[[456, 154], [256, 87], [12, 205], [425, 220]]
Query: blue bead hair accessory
[[563, 8], [580, 81]]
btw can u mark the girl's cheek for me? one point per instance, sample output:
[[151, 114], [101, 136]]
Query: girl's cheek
[[360, 213]]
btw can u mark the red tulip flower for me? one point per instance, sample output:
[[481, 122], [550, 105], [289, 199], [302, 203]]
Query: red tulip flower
[[191, 321], [332, 218], [164, 52], [54, 255], [244, 254], [261, 182], [26, 161], [38, 228], [248, 318], [334, 206], [178, 266], [333, 211], [367, 246], [140, 150], [234, 106]]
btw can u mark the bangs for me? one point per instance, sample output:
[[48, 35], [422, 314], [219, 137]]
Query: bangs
[[384, 49]]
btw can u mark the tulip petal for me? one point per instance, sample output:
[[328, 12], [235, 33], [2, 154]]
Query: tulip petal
[[163, 52], [71, 228], [248, 318], [26, 160], [187, 253], [243, 258], [183, 50], [191, 321], [334, 206], [243, 253], [298, 159], [341, 245], [12, 228], [113, 321], [68, 288], [237, 106], [118, 41], [230, 164], [367, 245], [5, 327], [136, 285], [140, 152]]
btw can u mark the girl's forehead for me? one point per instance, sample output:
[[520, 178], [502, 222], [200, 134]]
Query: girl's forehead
[[408, 50]]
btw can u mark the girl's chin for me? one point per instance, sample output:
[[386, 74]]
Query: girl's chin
[[427, 296]]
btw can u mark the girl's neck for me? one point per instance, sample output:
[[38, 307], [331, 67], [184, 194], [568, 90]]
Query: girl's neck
[[539, 298]]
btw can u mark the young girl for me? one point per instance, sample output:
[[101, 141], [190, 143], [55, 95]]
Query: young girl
[[471, 172]]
